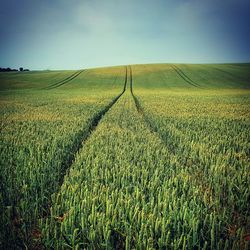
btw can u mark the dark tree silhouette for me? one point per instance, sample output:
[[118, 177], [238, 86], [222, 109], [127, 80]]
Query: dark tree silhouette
[[9, 69]]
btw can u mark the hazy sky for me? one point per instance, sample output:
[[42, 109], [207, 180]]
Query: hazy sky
[[72, 34]]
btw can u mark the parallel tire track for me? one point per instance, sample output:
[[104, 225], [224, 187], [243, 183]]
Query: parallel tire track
[[66, 80], [137, 103], [78, 142], [153, 129], [82, 136], [184, 76], [231, 75], [149, 124], [140, 109]]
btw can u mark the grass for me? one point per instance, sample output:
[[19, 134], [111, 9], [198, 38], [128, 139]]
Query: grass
[[162, 166]]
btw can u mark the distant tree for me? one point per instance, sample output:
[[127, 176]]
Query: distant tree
[[21, 68]]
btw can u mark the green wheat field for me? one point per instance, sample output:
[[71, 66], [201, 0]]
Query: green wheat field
[[130, 157]]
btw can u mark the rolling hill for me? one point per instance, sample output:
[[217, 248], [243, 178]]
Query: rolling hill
[[149, 156]]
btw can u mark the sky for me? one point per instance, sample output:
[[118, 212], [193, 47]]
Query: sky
[[75, 34]]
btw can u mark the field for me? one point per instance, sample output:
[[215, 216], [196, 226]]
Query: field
[[129, 157]]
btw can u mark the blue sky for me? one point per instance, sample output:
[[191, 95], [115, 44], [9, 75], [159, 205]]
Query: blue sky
[[74, 34]]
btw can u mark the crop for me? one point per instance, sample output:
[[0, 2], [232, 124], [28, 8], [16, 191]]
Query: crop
[[162, 164]]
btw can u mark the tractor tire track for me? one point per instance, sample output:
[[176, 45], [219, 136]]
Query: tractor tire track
[[153, 129], [66, 80], [63, 80], [148, 123], [231, 75], [82, 136], [140, 109], [78, 143], [184, 76], [137, 103]]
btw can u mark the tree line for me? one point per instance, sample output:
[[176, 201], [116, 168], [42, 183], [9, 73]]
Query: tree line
[[9, 69]]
